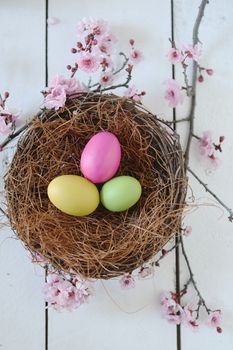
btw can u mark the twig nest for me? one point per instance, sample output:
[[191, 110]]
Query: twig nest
[[103, 244]]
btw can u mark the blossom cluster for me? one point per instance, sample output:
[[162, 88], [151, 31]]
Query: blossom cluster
[[59, 89], [177, 314], [95, 53], [208, 149], [8, 116], [174, 91], [95, 49], [69, 294]]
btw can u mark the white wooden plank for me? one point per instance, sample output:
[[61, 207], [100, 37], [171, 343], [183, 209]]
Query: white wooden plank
[[101, 325], [210, 246], [22, 73]]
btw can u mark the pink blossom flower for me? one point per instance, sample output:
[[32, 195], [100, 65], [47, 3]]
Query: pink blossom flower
[[4, 128], [188, 231], [206, 144], [105, 47], [88, 63], [58, 81], [214, 161], [214, 318], [165, 297], [209, 71], [127, 282], [92, 25], [106, 62], [145, 271], [52, 21], [8, 119], [188, 318], [174, 56], [135, 56], [38, 259], [70, 85], [173, 93], [73, 86], [193, 52], [173, 312], [106, 79], [64, 294], [105, 44], [133, 93], [56, 98]]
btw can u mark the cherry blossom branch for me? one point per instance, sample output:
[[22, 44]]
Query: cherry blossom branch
[[124, 64], [13, 135], [196, 40], [113, 87], [229, 210], [187, 87]]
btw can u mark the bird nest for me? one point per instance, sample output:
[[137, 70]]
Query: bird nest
[[103, 244]]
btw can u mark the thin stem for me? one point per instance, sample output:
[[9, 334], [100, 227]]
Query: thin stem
[[113, 87], [17, 133], [229, 210], [126, 60], [178, 121], [191, 278], [162, 256], [188, 88], [3, 212], [194, 79]]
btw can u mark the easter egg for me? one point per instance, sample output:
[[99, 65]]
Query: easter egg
[[73, 195], [120, 193], [101, 157]]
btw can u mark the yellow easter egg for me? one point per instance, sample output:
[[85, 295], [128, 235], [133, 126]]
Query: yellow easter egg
[[73, 195]]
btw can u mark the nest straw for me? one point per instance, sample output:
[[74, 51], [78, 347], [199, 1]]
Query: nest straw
[[103, 244]]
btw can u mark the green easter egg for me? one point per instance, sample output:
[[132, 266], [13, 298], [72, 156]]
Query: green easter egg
[[120, 193]]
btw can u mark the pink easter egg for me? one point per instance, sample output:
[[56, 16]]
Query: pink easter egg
[[101, 157]]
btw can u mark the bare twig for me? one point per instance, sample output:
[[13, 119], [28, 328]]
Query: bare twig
[[126, 60], [229, 210], [113, 87], [191, 278], [196, 40], [3, 212], [164, 254]]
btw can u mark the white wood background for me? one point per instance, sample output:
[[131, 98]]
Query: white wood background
[[113, 322]]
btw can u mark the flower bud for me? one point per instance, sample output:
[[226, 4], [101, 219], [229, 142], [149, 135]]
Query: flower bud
[[200, 78], [79, 45], [221, 138], [209, 71]]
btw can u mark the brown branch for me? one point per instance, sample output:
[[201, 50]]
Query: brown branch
[[196, 40], [113, 87], [191, 279], [115, 72], [13, 135], [229, 210], [164, 254]]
